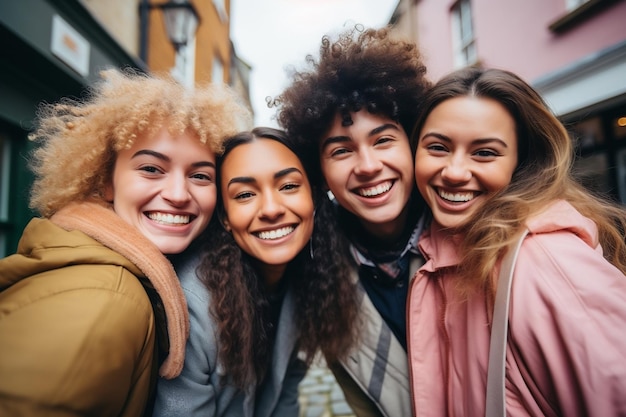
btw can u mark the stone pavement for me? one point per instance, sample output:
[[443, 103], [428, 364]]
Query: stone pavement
[[320, 395]]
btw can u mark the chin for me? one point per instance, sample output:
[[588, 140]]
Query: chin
[[172, 249]]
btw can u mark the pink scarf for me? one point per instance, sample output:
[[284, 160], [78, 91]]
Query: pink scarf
[[102, 224]]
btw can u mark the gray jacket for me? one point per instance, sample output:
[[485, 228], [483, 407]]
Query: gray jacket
[[203, 388], [375, 375]]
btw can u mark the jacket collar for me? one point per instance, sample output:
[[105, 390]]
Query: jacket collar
[[441, 249], [102, 224]]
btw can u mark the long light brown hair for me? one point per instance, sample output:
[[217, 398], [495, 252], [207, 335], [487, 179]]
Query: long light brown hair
[[543, 175]]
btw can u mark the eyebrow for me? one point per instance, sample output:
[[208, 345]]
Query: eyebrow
[[249, 180], [166, 158], [375, 131], [475, 141]]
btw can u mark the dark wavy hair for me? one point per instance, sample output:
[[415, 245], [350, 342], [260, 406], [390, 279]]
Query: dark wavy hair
[[362, 69], [324, 294]]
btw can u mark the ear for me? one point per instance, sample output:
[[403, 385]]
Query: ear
[[109, 193], [221, 216]]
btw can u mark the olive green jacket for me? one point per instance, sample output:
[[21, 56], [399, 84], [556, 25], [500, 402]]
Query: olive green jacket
[[77, 327]]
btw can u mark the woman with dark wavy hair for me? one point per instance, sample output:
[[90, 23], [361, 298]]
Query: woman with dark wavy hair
[[266, 289], [493, 161]]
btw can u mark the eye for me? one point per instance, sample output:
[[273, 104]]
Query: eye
[[151, 169], [244, 195], [202, 176], [436, 148], [384, 139], [486, 153], [290, 186], [339, 152]]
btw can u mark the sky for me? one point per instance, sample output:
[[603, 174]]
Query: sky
[[272, 35]]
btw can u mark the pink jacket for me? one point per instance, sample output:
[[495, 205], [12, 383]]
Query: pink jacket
[[566, 352]]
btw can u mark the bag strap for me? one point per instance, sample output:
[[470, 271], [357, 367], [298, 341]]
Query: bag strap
[[495, 405]]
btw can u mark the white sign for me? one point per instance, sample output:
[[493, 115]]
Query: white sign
[[69, 46]]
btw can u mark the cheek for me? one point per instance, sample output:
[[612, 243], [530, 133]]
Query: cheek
[[420, 170], [239, 218], [309, 211], [334, 173], [497, 179], [405, 162], [131, 192], [208, 200]]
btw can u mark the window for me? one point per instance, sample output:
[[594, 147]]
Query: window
[[587, 134], [600, 163], [573, 4], [591, 165], [463, 35], [5, 165], [619, 131], [577, 11], [621, 174], [184, 68], [220, 6], [217, 74]]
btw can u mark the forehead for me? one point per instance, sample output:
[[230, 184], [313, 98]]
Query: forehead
[[163, 140], [259, 157], [465, 112], [362, 123], [358, 118]]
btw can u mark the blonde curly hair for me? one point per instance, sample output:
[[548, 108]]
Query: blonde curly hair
[[80, 138]]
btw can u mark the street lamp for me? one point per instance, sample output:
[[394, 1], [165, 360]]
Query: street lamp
[[181, 23]]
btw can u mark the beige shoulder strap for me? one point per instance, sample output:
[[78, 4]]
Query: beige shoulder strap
[[495, 406]]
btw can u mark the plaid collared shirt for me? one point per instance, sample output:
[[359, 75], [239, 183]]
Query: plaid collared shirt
[[394, 268]]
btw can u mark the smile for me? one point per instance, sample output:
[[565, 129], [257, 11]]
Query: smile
[[169, 219], [375, 191], [456, 197], [275, 234]]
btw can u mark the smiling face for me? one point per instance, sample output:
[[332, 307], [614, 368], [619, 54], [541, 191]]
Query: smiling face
[[467, 151], [368, 166], [267, 202], [164, 186]]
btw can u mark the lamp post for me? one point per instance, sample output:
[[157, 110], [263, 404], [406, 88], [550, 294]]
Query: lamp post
[[181, 23]]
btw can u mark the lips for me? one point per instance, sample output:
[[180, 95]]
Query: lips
[[168, 218], [275, 234], [375, 191]]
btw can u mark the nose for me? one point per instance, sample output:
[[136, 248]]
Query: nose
[[176, 190], [368, 163], [456, 171], [272, 206]]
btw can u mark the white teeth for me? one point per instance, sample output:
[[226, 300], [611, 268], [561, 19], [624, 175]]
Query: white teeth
[[166, 218], [276, 234], [375, 191], [456, 197]]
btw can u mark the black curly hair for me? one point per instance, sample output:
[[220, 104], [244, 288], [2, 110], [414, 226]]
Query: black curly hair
[[361, 69]]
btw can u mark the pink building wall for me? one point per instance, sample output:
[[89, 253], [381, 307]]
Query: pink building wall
[[515, 35]]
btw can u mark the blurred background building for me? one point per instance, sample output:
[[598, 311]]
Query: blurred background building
[[572, 51], [54, 49]]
